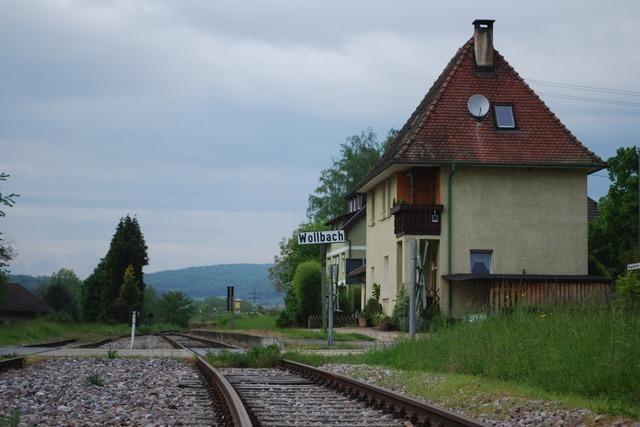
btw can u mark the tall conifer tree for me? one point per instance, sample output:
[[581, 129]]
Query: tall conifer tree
[[103, 287]]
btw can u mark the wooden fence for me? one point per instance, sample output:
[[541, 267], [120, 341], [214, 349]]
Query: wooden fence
[[511, 292]]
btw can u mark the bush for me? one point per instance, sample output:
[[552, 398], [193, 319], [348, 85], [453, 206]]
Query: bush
[[176, 308], [400, 314], [94, 379], [284, 320], [372, 312], [288, 317], [627, 292], [307, 287], [59, 317]]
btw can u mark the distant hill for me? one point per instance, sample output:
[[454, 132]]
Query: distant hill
[[30, 282], [212, 280], [201, 282]]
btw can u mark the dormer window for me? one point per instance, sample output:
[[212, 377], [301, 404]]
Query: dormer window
[[504, 117]]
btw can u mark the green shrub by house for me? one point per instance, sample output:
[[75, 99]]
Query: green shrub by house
[[306, 284], [627, 292]]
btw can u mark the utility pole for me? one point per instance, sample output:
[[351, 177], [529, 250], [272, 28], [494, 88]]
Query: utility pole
[[334, 278], [323, 285], [254, 301], [412, 288]]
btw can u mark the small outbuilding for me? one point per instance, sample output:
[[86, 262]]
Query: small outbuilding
[[20, 304]]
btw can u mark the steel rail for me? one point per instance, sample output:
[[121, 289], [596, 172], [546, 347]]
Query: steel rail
[[96, 344], [418, 412], [52, 343], [13, 363], [213, 343], [227, 400]]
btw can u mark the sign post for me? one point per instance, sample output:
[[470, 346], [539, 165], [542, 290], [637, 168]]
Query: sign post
[[334, 277], [230, 307], [323, 286], [412, 288], [324, 238], [133, 327]]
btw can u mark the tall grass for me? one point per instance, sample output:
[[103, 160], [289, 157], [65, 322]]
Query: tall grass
[[591, 351], [40, 330], [256, 357]]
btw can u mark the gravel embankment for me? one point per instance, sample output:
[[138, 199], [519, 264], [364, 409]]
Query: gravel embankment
[[141, 342], [501, 412], [149, 392]]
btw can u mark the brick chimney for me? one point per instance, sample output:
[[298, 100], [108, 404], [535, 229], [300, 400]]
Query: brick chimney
[[483, 44]]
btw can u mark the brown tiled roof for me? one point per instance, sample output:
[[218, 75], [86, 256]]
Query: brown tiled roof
[[441, 129], [358, 271], [18, 299], [346, 221]]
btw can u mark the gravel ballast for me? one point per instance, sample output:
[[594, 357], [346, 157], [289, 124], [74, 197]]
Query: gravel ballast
[[500, 411], [150, 392]]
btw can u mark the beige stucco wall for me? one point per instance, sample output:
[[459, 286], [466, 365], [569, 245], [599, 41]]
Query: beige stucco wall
[[533, 220], [338, 252], [380, 230]]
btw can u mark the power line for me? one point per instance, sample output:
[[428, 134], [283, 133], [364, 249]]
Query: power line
[[584, 88], [589, 99]]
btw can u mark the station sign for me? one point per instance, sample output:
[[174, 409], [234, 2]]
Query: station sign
[[635, 266], [320, 237]]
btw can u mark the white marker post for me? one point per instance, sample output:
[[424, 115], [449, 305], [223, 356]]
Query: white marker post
[[133, 327]]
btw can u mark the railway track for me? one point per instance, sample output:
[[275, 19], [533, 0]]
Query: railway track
[[301, 395], [192, 342], [290, 394], [11, 363]]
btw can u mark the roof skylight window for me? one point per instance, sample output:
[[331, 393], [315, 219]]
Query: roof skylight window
[[504, 116]]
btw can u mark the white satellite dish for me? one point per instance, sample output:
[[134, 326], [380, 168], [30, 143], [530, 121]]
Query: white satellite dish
[[478, 105]]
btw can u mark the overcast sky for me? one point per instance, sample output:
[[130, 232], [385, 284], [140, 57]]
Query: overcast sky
[[211, 120]]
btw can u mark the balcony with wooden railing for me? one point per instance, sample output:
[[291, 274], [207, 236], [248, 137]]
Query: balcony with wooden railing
[[417, 219]]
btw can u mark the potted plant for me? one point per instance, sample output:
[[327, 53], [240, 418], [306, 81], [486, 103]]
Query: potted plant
[[362, 320], [385, 323]]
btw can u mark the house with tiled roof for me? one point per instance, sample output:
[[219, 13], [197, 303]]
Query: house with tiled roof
[[491, 184], [350, 256], [18, 303]]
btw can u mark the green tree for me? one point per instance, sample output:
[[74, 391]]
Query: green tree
[[62, 292], [90, 299], [58, 297], [127, 248], [627, 292], [6, 252], [292, 254], [307, 288], [176, 308], [150, 304], [129, 298], [68, 279], [613, 235], [359, 154]]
